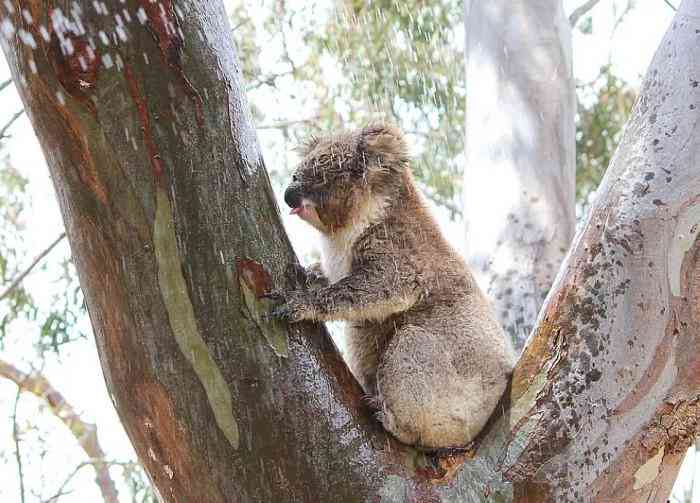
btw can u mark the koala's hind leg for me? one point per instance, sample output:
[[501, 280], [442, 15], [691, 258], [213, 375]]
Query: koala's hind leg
[[424, 398]]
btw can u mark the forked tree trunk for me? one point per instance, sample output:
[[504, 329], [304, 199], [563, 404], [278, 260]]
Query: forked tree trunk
[[519, 177], [170, 214]]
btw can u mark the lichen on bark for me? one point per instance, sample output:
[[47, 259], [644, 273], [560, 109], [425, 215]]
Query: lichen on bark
[[182, 319]]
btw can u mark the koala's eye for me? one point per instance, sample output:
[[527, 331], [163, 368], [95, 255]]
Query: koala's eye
[[295, 178]]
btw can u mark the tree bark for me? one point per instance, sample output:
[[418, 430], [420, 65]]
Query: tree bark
[[168, 209], [519, 179], [616, 347], [174, 229]]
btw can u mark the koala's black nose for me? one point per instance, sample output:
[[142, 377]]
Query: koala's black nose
[[292, 196]]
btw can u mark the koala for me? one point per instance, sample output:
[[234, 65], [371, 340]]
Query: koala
[[420, 335]]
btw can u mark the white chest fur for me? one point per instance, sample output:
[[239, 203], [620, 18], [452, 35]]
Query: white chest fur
[[336, 256], [336, 248]]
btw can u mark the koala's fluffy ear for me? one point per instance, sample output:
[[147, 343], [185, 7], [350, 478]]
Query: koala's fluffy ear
[[307, 145], [384, 143]]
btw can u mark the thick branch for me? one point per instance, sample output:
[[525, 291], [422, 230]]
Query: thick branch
[[168, 207], [85, 433], [605, 397]]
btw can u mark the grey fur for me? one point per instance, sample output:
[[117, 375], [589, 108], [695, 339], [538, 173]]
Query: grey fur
[[421, 337]]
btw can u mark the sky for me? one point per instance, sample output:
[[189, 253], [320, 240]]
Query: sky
[[77, 374]]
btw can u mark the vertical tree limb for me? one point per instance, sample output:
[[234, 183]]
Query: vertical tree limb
[[615, 361], [519, 177], [18, 453]]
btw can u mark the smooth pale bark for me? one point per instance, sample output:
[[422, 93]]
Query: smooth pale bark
[[615, 362], [519, 176], [174, 228]]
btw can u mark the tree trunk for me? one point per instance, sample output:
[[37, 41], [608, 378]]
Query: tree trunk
[[616, 348], [519, 179], [174, 230], [167, 205]]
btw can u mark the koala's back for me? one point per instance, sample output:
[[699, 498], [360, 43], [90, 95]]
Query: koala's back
[[437, 369]]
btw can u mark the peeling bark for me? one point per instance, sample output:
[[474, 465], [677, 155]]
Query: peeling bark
[[148, 181], [519, 177]]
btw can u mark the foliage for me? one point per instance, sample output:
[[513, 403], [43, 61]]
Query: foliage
[[13, 203], [333, 66], [406, 63], [57, 319], [603, 108], [362, 61]]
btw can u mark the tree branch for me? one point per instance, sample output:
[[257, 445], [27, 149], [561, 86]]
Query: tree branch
[[3, 131], [92, 462], [580, 11], [18, 454], [269, 80], [287, 124], [16, 282], [621, 17], [85, 433], [4, 84]]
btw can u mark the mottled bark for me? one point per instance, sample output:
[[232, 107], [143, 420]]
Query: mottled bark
[[520, 153], [85, 433], [174, 229], [614, 366]]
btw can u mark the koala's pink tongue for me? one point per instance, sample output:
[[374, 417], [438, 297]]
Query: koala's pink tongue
[[296, 211]]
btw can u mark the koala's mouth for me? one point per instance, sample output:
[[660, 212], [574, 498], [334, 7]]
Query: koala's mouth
[[307, 212]]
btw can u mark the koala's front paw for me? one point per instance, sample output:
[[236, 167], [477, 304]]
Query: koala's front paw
[[288, 313], [276, 296], [292, 309], [305, 278]]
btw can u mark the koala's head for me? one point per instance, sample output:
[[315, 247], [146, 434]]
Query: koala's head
[[340, 174]]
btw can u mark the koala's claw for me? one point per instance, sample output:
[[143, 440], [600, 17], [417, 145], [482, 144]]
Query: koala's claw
[[289, 307], [274, 295], [296, 274], [285, 312]]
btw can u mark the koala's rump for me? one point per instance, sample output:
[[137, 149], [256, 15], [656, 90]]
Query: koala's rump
[[470, 338]]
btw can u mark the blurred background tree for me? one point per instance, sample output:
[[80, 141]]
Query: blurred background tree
[[309, 66], [603, 107]]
